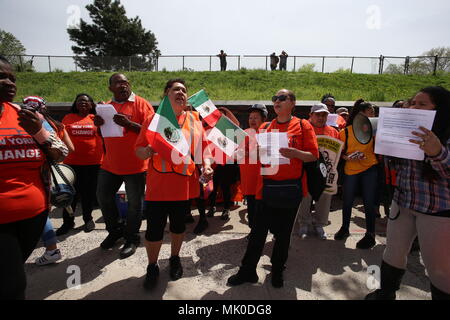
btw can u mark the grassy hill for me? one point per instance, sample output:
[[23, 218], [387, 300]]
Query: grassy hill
[[231, 85]]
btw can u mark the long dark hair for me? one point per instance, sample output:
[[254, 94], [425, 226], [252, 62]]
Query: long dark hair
[[440, 97], [359, 106], [74, 109]]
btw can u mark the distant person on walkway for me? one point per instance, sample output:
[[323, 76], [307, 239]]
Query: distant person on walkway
[[25, 148], [283, 60], [169, 185], [274, 61], [329, 100], [120, 164], [318, 119], [280, 189], [223, 60], [422, 195], [85, 160]]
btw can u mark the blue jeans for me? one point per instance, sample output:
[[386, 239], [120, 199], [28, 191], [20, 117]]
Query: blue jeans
[[48, 236], [367, 182], [107, 186]]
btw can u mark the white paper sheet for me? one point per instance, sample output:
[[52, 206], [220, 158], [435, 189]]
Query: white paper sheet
[[269, 147], [332, 119], [394, 130], [110, 128]]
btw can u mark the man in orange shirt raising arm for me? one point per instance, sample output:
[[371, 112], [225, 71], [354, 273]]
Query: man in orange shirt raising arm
[[120, 164]]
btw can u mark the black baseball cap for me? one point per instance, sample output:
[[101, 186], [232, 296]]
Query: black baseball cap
[[260, 107]]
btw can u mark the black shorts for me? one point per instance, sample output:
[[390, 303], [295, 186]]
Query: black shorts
[[156, 213]]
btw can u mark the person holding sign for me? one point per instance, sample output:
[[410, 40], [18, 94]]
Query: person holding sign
[[318, 119], [360, 172], [423, 197], [171, 131], [120, 164], [26, 146], [280, 189]]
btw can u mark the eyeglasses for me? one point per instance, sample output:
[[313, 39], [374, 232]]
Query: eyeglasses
[[280, 97]]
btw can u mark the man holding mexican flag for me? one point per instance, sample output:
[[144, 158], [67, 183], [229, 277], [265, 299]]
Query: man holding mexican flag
[[174, 142]]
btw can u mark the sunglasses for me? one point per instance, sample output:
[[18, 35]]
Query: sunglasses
[[280, 97]]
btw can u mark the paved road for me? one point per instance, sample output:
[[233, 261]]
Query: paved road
[[317, 269]]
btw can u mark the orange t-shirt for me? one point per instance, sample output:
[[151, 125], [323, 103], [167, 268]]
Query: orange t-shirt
[[301, 137], [355, 167], [326, 131], [120, 157], [250, 167], [85, 138], [22, 191], [341, 122], [171, 186]]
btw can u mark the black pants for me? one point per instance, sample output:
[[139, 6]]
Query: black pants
[[85, 187], [251, 210], [157, 212], [17, 242], [280, 223], [224, 177]]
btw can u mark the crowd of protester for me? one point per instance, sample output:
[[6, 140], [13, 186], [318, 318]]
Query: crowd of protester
[[157, 189]]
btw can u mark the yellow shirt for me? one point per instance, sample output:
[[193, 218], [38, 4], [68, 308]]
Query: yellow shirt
[[358, 166]]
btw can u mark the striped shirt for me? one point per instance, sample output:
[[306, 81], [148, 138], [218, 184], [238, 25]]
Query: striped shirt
[[420, 194]]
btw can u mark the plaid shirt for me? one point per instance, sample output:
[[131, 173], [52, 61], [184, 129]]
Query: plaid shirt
[[417, 193]]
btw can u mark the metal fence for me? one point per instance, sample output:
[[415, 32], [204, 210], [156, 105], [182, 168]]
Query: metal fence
[[324, 64]]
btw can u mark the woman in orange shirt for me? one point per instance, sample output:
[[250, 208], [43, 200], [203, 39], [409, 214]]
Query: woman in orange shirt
[[85, 160], [280, 189], [25, 147], [169, 186], [249, 165]]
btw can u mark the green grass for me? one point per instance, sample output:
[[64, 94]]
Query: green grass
[[231, 85]]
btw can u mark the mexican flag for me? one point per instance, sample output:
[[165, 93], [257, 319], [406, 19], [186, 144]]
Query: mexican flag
[[201, 102], [226, 136], [165, 134]]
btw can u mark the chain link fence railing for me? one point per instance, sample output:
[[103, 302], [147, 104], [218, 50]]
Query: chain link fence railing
[[324, 64]]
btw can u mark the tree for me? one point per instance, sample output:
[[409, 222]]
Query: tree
[[426, 64], [12, 48], [113, 41]]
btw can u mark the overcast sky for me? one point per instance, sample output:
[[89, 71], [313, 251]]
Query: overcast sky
[[321, 27]]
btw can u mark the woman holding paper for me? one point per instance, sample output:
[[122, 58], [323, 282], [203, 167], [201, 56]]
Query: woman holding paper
[[360, 172], [85, 160], [169, 182], [280, 189], [423, 197]]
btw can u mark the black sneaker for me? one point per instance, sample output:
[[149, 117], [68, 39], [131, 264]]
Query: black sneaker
[[380, 295], [367, 242], [225, 214], [277, 279], [66, 227], [128, 250], [342, 234], [242, 277], [211, 212], [176, 269], [201, 226], [110, 240], [151, 278]]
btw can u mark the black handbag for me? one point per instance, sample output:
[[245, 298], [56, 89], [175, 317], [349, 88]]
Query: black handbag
[[283, 193], [316, 173]]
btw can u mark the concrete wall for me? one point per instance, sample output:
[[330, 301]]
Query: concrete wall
[[238, 107]]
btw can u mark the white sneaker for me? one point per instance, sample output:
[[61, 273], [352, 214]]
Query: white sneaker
[[49, 257], [321, 233], [303, 232]]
